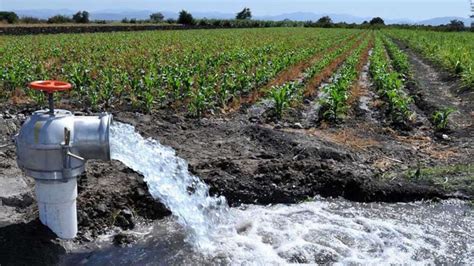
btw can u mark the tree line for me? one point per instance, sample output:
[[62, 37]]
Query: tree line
[[242, 19]]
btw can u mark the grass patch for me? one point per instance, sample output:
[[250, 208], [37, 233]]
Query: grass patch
[[458, 177]]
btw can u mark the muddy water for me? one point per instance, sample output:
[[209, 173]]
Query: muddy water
[[318, 231], [203, 230]]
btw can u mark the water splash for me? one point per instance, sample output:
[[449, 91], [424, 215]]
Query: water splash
[[168, 179], [322, 231]]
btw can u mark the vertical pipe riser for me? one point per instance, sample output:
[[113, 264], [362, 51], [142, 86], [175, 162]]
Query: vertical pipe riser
[[57, 206]]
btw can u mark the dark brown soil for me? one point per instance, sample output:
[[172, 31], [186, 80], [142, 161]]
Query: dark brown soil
[[249, 160]]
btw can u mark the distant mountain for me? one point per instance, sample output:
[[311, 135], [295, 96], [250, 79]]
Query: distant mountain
[[112, 14], [305, 16], [443, 20], [43, 13]]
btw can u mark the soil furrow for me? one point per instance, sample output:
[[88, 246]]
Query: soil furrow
[[293, 73], [327, 72], [308, 114], [432, 91], [261, 111], [363, 63]]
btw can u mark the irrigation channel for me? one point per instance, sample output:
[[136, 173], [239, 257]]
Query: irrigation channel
[[204, 230]]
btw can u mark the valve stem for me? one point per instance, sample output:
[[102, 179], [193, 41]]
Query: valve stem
[[51, 103]]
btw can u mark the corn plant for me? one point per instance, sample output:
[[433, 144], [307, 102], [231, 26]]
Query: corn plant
[[451, 50], [399, 58], [281, 97], [335, 96], [389, 84], [440, 117]]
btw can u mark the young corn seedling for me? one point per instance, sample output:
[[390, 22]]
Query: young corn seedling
[[440, 118], [282, 97]]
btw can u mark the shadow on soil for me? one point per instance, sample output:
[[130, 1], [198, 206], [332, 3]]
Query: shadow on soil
[[29, 243]]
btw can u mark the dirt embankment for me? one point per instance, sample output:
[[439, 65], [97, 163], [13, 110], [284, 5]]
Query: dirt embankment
[[244, 158]]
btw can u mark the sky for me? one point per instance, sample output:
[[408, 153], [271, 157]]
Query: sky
[[390, 9]]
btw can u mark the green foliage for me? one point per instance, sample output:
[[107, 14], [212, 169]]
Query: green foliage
[[451, 50], [455, 177], [9, 17], [58, 19], [389, 83], [281, 97], [81, 17], [336, 94], [399, 58], [244, 14], [157, 17], [377, 21], [30, 20], [324, 22], [247, 23], [199, 70], [456, 25], [440, 118], [185, 18]]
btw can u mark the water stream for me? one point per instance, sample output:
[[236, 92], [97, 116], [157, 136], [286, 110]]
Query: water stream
[[204, 230], [169, 181]]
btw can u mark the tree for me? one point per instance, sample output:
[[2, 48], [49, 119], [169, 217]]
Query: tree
[[9, 17], [244, 14], [81, 17], [157, 17], [59, 19], [30, 20], [456, 25], [377, 21], [185, 18], [324, 22], [171, 21]]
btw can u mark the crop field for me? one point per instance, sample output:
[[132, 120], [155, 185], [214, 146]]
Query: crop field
[[207, 71], [334, 83], [261, 116], [202, 70], [308, 77]]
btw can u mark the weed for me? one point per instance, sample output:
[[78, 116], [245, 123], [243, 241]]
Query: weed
[[440, 118]]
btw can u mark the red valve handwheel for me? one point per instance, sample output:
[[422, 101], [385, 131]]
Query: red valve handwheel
[[50, 86]]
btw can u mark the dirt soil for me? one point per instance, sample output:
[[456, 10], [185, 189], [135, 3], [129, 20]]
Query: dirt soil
[[249, 159]]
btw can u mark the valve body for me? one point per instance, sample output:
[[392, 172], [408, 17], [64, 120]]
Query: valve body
[[53, 149]]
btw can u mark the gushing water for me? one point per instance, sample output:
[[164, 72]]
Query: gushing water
[[168, 179], [320, 231]]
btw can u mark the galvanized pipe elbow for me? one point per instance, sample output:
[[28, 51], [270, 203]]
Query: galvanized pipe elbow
[[55, 147]]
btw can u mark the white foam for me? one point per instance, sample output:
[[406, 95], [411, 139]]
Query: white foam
[[339, 231]]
